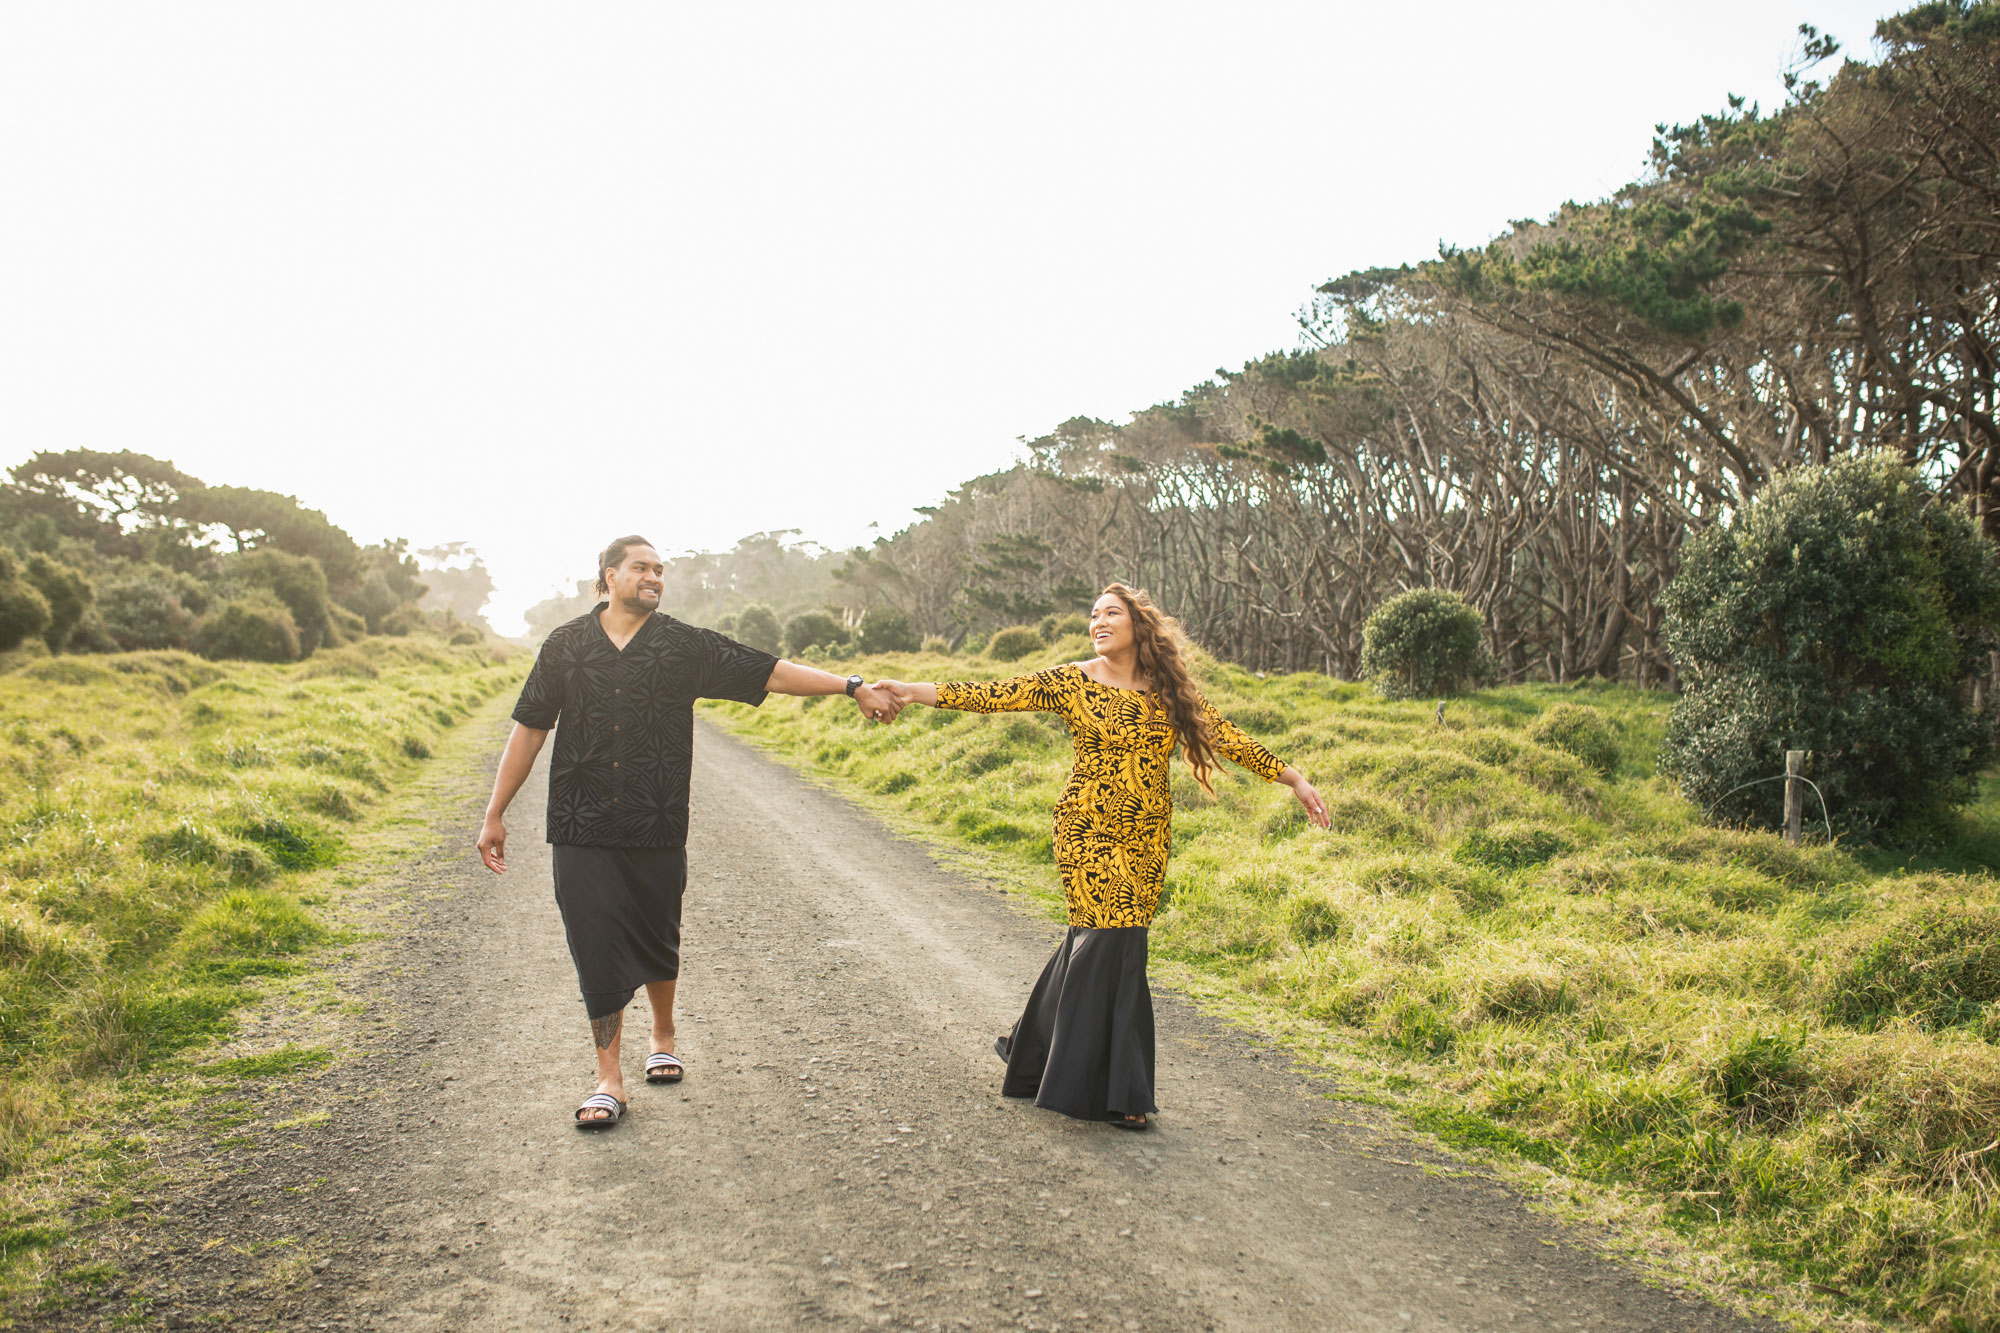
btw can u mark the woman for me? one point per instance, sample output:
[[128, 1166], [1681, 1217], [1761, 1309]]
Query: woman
[[1084, 1046]]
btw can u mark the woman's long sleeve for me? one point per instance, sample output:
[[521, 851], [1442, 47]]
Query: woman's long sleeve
[[1231, 742], [1043, 692]]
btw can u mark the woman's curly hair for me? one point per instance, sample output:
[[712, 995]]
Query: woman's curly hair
[[1159, 641]]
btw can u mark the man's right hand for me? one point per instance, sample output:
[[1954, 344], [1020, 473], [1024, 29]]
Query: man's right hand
[[493, 844]]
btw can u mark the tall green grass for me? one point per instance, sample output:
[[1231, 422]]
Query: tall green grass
[[1791, 1051], [153, 807]]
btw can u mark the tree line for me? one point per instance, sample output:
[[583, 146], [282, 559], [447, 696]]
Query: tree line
[[118, 551], [1538, 424]]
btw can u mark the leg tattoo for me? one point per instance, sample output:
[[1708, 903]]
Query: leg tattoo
[[605, 1030]]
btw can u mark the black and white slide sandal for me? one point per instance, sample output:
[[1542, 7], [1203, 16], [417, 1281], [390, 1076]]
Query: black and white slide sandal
[[663, 1067], [600, 1101]]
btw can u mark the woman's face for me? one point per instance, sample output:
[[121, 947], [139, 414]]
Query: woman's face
[[1110, 625]]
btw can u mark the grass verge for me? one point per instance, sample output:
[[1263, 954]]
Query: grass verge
[[1517, 934], [174, 832]]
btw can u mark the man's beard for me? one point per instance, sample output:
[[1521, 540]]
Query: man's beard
[[637, 605]]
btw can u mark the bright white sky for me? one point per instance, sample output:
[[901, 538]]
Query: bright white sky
[[534, 276]]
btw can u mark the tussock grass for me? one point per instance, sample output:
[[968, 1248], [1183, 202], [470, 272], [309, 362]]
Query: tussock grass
[[1538, 949], [153, 807]]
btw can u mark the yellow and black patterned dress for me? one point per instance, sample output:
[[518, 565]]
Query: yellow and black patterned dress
[[1113, 821]]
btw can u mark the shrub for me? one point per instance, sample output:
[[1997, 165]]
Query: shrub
[[256, 628], [66, 592], [757, 625], [142, 612], [402, 622], [23, 610], [810, 629], [1422, 644], [298, 582], [1579, 730], [1014, 643], [725, 624], [937, 643], [1062, 627], [1839, 614], [887, 630]]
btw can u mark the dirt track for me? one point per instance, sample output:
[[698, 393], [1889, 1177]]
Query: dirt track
[[839, 1155]]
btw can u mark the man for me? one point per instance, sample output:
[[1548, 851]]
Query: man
[[623, 679]]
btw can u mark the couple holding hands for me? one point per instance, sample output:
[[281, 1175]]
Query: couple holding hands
[[623, 678]]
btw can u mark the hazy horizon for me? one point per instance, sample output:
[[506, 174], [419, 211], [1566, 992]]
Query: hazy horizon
[[528, 280]]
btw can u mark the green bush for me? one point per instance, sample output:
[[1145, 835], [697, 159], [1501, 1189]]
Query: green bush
[[937, 643], [1580, 730], [298, 582], [757, 625], [66, 592], [810, 629], [403, 621], [887, 630], [256, 628], [1062, 627], [1014, 643], [1424, 644], [142, 612], [24, 612], [1840, 614]]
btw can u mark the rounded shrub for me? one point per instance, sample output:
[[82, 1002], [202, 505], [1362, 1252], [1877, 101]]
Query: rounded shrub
[[143, 612], [1580, 730], [1014, 643], [65, 590], [255, 629], [811, 629], [757, 625], [937, 643], [402, 622], [298, 581], [1055, 627], [887, 630], [1422, 644], [24, 612], [1841, 613]]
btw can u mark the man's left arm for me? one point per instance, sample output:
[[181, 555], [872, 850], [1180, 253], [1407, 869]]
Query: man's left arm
[[876, 704]]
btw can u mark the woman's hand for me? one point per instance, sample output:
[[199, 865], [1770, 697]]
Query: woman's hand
[[906, 694], [1309, 797]]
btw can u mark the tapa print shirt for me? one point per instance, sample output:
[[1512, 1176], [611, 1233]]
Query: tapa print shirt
[[624, 723]]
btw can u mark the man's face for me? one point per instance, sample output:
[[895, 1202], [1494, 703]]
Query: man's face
[[636, 584]]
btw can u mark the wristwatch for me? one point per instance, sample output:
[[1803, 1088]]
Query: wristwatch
[[853, 683]]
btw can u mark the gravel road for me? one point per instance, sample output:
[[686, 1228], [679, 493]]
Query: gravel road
[[839, 1155]]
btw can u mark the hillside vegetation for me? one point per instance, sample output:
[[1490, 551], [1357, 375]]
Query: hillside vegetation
[[153, 808], [1537, 947]]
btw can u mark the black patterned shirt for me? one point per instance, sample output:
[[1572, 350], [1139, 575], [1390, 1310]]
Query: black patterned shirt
[[619, 775]]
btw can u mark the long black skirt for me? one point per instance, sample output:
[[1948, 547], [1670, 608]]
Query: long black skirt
[[621, 909], [1084, 1045]]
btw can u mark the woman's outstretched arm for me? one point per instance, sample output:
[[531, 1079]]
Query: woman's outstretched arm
[[1043, 692], [1231, 742]]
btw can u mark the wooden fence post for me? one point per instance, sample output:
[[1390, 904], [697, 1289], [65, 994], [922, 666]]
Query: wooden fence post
[[1795, 803]]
